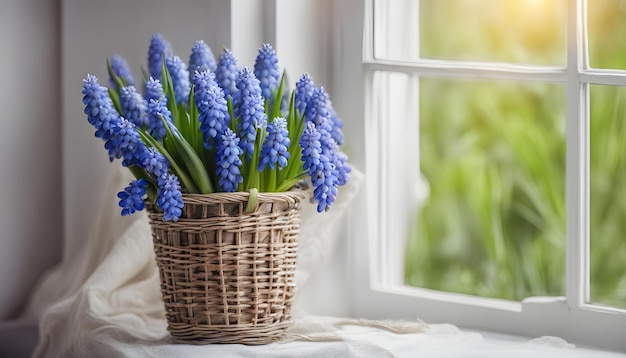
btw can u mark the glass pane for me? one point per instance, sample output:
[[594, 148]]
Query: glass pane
[[607, 33], [608, 195], [515, 31], [493, 222]]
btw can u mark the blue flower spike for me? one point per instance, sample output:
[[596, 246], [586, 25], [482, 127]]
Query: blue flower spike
[[169, 197], [127, 144], [101, 113], [266, 70], [319, 167], [159, 50], [248, 106], [133, 106], [180, 78], [212, 107], [275, 147], [201, 59], [304, 92], [131, 198], [226, 72], [154, 90], [155, 163], [317, 110], [228, 161], [156, 110]]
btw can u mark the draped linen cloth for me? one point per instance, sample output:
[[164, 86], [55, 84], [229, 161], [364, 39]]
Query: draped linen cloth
[[106, 302]]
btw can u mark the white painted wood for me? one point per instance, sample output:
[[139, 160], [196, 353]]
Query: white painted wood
[[376, 263], [303, 40], [577, 166]]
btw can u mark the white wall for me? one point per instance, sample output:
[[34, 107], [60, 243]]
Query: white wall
[[30, 147], [93, 30]]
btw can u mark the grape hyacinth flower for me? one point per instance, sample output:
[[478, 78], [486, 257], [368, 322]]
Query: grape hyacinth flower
[[156, 110], [133, 106], [317, 110], [228, 161], [100, 111], [226, 72], [127, 144], [266, 70], [247, 85], [155, 163], [159, 49], [201, 59], [342, 169], [169, 197], [336, 124], [248, 106], [274, 150], [131, 199], [319, 167], [154, 90], [120, 68], [180, 78], [304, 92], [212, 108]]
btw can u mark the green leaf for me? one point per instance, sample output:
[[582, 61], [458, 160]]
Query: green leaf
[[278, 98], [168, 88], [193, 163], [231, 113], [252, 201], [183, 121], [253, 179], [184, 178], [115, 99], [119, 81], [195, 139], [145, 75], [295, 126], [289, 183]]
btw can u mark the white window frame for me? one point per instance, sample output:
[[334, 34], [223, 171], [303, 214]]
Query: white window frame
[[377, 257]]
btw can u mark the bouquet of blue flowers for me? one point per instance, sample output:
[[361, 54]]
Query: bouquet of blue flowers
[[212, 127]]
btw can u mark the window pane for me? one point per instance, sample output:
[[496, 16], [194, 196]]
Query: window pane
[[515, 31], [608, 195], [493, 222], [607, 33]]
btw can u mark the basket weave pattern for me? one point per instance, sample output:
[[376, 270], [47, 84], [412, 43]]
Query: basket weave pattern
[[227, 276]]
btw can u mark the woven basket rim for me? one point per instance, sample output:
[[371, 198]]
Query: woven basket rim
[[291, 198], [238, 196]]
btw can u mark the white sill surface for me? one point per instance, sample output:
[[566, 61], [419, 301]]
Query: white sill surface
[[332, 339], [503, 340], [357, 341]]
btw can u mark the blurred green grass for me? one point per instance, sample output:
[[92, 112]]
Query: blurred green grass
[[493, 154]]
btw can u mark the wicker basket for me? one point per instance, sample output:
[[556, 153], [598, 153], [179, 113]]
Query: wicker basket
[[226, 275]]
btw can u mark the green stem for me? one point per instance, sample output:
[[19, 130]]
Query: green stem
[[252, 201], [184, 178]]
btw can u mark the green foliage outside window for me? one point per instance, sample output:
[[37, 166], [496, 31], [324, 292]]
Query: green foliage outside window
[[494, 152]]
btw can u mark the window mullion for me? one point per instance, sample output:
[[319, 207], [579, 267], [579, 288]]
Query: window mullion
[[466, 69], [577, 160]]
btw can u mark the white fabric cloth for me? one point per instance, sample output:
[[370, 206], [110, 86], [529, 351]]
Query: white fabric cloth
[[105, 302]]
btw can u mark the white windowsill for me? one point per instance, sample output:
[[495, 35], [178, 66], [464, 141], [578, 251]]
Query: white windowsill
[[501, 339], [473, 343]]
